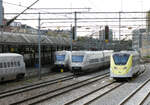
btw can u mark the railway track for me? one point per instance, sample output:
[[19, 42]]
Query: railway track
[[33, 86], [59, 91], [88, 98], [139, 95]]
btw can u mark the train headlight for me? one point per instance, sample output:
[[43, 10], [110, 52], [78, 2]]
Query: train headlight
[[125, 68], [115, 67]]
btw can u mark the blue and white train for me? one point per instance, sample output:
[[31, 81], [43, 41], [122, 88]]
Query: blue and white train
[[83, 61], [62, 59], [12, 66]]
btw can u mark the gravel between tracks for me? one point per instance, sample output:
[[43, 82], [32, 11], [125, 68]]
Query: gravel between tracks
[[8, 100], [116, 96]]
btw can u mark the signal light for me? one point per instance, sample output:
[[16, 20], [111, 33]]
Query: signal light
[[106, 33], [73, 33]]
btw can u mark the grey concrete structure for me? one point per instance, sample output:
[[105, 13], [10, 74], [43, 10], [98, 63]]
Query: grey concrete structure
[[1, 12], [148, 22], [102, 35], [137, 38]]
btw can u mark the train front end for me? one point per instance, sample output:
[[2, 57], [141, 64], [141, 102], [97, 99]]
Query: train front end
[[121, 65], [61, 61], [77, 63]]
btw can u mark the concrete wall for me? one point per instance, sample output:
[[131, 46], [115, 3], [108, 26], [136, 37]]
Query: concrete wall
[[1, 12], [145, 49]]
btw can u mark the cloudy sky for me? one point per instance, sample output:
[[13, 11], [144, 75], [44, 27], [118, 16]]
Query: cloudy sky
[[16, 6], [96, 5]]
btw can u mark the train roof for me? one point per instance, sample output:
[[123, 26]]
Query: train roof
[[108, 51], [9, 55], [127, 52], [86, 52], [63, 51]]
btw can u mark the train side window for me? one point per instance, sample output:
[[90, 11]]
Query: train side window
[[8, 64], [93, 60], [15, 64], [5, 65], [12, 64], [102, 59], [1, 66], [18, 63]]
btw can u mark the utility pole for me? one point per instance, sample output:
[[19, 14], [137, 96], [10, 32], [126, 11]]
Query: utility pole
[[39, 46], [100, 33], [71, 37], [75, 24], [119, 27], [1, 21], [1, 12]]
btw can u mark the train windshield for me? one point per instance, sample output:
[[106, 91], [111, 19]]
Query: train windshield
[[60, 57], [121, 59], [76, 58]]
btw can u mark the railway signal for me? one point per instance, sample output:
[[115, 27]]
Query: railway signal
[[73, 33], [106, 33]]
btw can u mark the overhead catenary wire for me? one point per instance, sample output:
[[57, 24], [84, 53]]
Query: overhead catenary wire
[[123, 26], [87, 21], [136, 12], [11, 20], [79, 18], [15, 4], [56, 8], [128, 19]]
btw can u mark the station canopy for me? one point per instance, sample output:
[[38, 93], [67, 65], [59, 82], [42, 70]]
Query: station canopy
[[8, 37]]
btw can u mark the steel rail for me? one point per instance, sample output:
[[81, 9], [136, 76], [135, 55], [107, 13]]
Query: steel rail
[[141, 103], [83, 96], [68, 88], [134, 92], [87, 103], [33, 86]]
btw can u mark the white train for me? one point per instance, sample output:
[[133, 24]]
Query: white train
[[62, 59], [12, 66], [124, 64], [83, 61]]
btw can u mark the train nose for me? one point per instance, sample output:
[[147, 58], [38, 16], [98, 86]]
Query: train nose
[[76, 70]]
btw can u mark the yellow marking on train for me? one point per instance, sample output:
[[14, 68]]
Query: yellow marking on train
[[61, 70]]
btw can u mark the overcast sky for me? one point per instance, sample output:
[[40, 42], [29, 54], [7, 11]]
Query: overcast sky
[[95, 5]]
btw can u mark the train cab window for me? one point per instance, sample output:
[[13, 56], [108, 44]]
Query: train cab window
[[8, 64], [1, 66], [60, 57], [5, 65], [121, 59]]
